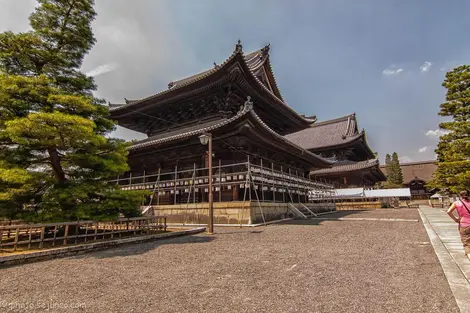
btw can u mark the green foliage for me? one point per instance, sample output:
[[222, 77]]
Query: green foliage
[[54, 156], [394, 172], [453, 150]]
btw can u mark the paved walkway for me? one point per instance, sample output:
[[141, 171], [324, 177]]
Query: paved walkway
[[445, 239]]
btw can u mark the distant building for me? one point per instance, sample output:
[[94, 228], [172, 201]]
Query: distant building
[[340, 140], [416, 175]]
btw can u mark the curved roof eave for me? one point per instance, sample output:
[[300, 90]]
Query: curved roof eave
[[246, 109]]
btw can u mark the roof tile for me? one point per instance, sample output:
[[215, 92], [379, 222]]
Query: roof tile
[[328, 133]]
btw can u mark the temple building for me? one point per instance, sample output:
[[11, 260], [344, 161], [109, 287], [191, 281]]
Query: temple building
[[340, 140], [256, 168], [416, 175]]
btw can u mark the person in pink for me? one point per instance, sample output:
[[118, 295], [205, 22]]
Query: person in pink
[[463, 210]]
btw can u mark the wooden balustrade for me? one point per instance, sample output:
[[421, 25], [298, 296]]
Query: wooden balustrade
[[40, 236]]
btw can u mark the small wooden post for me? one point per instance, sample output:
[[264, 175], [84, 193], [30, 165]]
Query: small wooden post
[[96, 230], [29, 240], [77, 231], [55, 235], [66, 233], [120, 228], [41, 243], [86, 231], [16, 239], [112, 229], [176, 177]]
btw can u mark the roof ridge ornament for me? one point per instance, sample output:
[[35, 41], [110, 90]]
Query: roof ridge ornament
[[170, 84], [238, 46], [216, 66], [248, 105], [265, 50]]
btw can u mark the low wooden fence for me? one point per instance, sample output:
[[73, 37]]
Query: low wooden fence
[[40, 236]]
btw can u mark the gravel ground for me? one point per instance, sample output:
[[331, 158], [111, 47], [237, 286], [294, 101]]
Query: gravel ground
[[327, 266], [380, 213]]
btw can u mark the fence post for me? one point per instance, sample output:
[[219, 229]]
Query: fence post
[[86, 231], [16, 239], [77, 232], [41, 243], [66, 234], [96, 230], [29, 241], [55, 235]]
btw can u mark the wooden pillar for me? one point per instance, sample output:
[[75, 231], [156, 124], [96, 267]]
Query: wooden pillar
[[235, 193]]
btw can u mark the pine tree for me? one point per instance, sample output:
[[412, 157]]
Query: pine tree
[[453, 150], [54, 156], [397, 172], [388, 166], [393, 172]]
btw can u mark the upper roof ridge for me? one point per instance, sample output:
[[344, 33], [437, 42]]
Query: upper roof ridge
[[335, 120]]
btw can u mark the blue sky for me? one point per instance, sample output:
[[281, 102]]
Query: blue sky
[[384, 60]]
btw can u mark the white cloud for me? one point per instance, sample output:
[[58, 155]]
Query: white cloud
[[426, 66], [390, 71], [105, 68], [436, 133], [423, 149], [405, 159]]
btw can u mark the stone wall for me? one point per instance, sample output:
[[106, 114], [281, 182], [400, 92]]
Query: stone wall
[[234, 212]]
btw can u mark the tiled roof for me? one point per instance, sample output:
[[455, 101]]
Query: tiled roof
[[421, 170], [334, 132], [254, 61], [350, 166], [199, 129]]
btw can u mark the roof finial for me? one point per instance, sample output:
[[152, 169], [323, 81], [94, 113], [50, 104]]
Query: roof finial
[[248, 102], [216, 66], [127, 101], [238, 46], [170, 84], [265, 49]]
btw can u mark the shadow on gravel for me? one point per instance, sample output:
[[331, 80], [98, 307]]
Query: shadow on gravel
[[144, 247], [322, 218]]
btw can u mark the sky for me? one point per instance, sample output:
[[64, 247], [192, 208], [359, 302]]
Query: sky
[[383, 60]]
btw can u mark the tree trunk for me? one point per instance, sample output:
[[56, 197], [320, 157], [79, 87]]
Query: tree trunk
[[56, 166]]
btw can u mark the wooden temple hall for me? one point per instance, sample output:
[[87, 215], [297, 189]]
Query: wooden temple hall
[[261, 171]]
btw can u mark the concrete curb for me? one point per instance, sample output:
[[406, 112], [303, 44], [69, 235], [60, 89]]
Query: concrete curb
[[364, 219], [88, 247], [457, 282]]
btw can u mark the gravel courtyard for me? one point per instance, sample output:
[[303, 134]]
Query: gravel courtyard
[[297, 266]]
